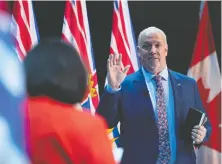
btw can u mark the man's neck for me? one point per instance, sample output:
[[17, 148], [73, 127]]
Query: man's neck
[[155, 72]]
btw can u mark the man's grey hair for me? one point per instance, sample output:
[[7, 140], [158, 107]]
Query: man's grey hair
[[149, 31]]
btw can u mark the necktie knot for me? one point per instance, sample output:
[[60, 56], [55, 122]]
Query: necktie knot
[[157, 79]]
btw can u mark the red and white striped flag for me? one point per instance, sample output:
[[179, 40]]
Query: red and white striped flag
[[76, 31], [24, 27], [122, 42], [204, 69]]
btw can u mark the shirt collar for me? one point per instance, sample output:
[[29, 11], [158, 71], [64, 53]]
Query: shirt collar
[[148, 75]]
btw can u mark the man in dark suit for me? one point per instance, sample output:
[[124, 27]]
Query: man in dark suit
[[151, 105]]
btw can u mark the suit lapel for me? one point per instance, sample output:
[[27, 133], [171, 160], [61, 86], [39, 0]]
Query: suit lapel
[[177, 93], [143, 94]]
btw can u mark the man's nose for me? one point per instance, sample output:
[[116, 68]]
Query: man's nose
[[153, 49]]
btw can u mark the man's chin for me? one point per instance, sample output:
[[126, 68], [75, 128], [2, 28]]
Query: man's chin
[[154, 69]]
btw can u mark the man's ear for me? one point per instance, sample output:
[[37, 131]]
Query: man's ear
[[138, 50], [166, 48]]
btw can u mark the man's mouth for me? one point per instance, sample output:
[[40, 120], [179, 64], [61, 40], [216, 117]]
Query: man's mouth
[[153, 58]]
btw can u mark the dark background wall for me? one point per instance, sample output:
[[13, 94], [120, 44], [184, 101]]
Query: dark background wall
[[179, 20]]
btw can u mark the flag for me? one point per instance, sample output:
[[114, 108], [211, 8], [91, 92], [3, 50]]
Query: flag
[[24, 27], [12, 95], [76, 32], [122, 42], [24, 31], [4, 6], [204, 69], [5, 16]]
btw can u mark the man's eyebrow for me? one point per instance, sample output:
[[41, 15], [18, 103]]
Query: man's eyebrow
[[146, 42]]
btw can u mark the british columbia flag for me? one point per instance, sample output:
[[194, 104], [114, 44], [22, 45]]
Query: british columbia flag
[[122, 42], [24, 27], [76, 32]]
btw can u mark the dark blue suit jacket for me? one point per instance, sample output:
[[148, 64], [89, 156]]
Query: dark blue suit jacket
[[133, 108]]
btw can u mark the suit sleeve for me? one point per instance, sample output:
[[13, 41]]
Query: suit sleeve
[[199, 105], [100, 149], [108, 107]]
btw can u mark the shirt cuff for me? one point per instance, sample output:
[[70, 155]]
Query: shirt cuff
[[111, 90]]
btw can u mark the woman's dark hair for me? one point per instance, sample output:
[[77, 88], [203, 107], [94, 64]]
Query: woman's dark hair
[[54, 69]]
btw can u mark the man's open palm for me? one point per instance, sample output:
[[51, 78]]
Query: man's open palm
[[116, 72]]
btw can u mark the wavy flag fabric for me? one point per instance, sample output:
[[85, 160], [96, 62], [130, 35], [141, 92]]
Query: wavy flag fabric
[[205, 70], [76, 32], [24, 27], [122, 42]]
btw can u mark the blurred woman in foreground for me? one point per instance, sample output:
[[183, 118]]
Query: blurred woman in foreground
[[57, 133]]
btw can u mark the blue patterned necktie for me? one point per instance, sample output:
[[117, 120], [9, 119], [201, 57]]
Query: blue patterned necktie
[[162, 123]]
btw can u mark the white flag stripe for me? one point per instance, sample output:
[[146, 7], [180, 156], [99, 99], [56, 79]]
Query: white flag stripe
[[129, 32], [69, 36], [121, 33], [82, 32], [29, 25], [24, 17], [33, 29], [88, 37], [113, 43], [16, 33]]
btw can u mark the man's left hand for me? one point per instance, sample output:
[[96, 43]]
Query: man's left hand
[[198, 133]]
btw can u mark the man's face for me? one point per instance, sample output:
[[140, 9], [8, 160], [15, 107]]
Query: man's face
[[152, 52]]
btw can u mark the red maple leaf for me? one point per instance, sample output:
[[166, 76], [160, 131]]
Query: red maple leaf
[[213, 109]]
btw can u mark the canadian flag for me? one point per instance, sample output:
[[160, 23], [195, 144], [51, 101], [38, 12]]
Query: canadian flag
[[205, 70]]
